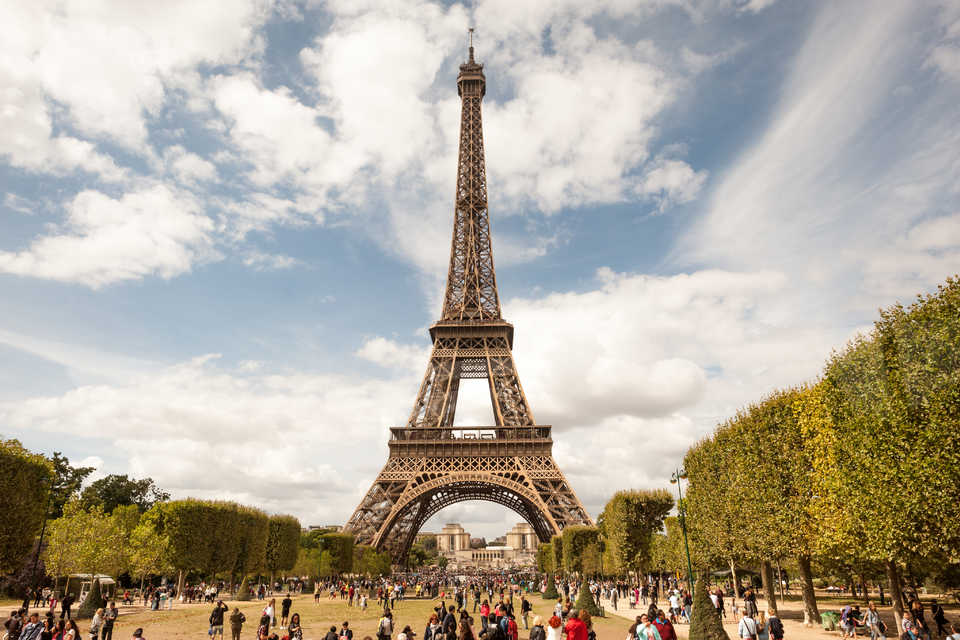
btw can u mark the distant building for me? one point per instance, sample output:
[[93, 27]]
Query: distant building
[[519, 550]]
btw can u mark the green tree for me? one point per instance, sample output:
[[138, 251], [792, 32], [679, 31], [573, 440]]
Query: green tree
[[705, 623], [83, 541], [627, 523], [581, 549], [67, 483], [556, 545], [282, 544], [667, 551], [340, 546], [253, 527], [585, 601], [118, 490], [24, 492], [544, 558], [150, 556]]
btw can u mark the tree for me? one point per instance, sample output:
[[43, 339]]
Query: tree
[[544, 557], [67, 483], [705, 623], [92, 602], [113, 491], [340, 546], [24, 492], [83, 541], [253, 528], [667, 552], [581, 548], [556, 545], [149, 555], [585, 601], [282, 544], [628, 522]]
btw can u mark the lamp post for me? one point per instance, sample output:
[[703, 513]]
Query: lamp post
[[675, 478]]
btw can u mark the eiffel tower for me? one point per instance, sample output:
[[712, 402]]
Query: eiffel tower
[[432, 463]]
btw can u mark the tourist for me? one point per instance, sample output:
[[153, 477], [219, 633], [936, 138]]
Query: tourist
[[236, 623], [433, 628], [646, 630], [32, 628], [575, 628], [465, 631], [449, 623], [406, 634], [587, 621], [109, 619], [346, 633], [775, 626], [762, 632], [664, 626], [138, 634], [936, 611], [13, 625], [525, 609], [954, 634], [294, 630], [216, 619], [484, 613], [747, 628], [65, 605], [285, 609], [270, 609], [511, 630], [873, 623], [72, 631], [263, 631], [385, 626], [96, 623], [538, 632]]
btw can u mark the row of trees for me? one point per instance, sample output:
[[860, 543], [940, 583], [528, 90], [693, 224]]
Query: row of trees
[[183, 536], [857, 474], [621, 543]]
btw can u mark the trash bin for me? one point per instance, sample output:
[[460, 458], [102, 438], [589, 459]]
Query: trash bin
[[829, 620]]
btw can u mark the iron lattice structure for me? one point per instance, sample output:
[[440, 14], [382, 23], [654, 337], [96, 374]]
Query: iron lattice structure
[[432, 463]]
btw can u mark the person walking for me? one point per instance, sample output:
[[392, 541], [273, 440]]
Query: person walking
[[110, 616], [876, 627], [538, 632], [236, 623], [65, 605], [936, 611], [775, 626], [646, 630], [95, 624], [216, 619], [294, 629], [285, 609], [525, 609], [385, 626], [747, 627]]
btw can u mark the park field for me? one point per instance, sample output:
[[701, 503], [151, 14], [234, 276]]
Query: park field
[[190, 620]]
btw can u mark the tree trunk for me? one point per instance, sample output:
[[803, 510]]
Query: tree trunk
[[766, 576], [810, 613], [736, 584], [896, 594], [179, 584], [864, 592], [780, 580]]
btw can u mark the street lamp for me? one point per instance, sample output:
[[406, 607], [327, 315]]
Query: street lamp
[[675, 478]]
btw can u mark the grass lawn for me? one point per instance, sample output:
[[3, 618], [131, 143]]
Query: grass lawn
[[190, 620]]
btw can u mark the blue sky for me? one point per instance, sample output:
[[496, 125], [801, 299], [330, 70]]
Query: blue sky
[[224, 226]]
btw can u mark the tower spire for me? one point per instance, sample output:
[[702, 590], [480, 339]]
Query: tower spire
[[470, 60]]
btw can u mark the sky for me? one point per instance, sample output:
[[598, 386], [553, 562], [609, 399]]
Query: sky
[[224, 224]]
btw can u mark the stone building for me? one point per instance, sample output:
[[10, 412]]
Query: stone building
[[453, 543]]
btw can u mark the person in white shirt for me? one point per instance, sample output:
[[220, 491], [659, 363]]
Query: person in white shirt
[[747, 629]]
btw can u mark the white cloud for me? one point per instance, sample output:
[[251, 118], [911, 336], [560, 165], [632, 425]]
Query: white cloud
[[151, 231], [850, 161], [109, 62], [392, 354], [263, 261], [189, 168], [327, 433]]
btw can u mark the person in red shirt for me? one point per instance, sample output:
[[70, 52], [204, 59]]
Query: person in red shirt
[[575, 628], [664, 626]]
